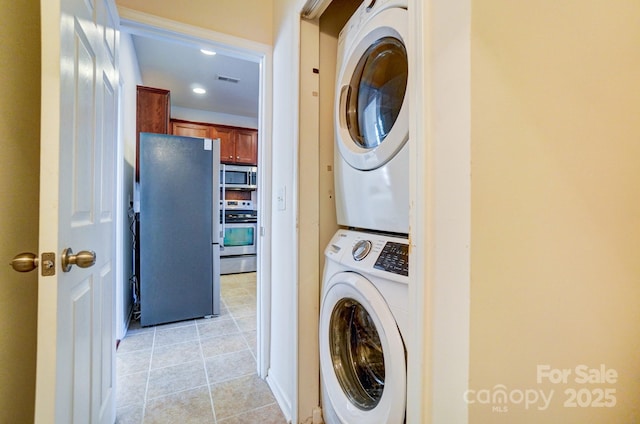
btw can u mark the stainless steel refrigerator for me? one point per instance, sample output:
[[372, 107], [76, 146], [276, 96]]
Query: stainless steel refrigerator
[[179, 229]]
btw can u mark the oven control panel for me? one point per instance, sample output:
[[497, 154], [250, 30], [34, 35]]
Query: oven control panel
[[237, 204]]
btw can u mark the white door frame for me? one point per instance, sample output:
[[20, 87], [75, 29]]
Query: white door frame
[[440, 216], [140, 23]]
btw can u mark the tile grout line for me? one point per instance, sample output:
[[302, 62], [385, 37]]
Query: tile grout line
[[246, 342], [146, 388], [249, 347], [166, 395], [236, 283], [206, 374], [252, 410], [242, 333], [233, 316]]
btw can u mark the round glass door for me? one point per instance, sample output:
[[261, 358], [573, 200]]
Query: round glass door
[[376, 92], [371, 113], [356, 354], [362, 356]]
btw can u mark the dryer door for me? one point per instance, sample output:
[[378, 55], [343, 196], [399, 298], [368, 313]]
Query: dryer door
[[362, 356], [371, 113]]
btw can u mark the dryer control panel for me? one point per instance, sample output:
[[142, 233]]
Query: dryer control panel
[[394, 258]]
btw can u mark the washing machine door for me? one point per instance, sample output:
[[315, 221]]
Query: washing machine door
[[371, 113], [362, 356]]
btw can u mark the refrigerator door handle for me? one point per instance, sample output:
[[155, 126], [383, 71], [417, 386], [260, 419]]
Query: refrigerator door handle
[[223, 192], [218, 193], [216, 279]]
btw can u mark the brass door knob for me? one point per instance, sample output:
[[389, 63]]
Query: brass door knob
[[24, 262], [83, 259]]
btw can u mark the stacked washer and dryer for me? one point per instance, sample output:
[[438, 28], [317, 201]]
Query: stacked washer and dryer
[[364, 305]]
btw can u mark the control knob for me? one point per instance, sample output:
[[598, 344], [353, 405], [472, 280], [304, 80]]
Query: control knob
[[361, 249]]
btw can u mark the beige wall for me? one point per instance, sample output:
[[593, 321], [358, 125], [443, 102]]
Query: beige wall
[[19, 180], [248, 19], [555, 205]]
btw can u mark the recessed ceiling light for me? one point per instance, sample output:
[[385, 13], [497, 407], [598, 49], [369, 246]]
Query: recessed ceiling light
[[208, 52], [199, 90]]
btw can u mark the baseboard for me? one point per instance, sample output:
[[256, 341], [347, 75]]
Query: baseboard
[[128, 322], [125, 329], [283, 401], [316, 417]]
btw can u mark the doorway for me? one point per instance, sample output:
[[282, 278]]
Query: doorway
[[149, 26]]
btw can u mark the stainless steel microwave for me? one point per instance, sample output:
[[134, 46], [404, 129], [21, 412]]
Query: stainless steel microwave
[[238, 176]]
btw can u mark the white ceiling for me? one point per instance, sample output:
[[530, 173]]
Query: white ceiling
[[179, 68]]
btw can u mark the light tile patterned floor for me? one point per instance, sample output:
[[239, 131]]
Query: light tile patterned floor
[[197, 371]]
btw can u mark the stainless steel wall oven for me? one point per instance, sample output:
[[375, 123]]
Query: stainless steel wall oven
[[240, 229]]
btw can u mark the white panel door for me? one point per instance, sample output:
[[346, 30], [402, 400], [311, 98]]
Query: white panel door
[[76, 344]]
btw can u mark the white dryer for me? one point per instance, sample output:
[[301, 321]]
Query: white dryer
[[363, 319], [371, 119]]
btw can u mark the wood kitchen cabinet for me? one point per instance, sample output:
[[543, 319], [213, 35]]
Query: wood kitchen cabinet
[[153, 112], [247, 146], [237, 145], [191, 129], [227, 146]]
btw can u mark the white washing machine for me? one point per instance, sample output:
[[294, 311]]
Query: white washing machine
[[371, 119], [363, 317]]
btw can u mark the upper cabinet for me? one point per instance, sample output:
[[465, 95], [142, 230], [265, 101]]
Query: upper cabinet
[[246, 146], [237, 145], [153, 113], [191, 129], [227, 143]]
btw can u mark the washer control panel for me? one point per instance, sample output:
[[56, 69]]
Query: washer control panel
[[394, 258], [366, 252]]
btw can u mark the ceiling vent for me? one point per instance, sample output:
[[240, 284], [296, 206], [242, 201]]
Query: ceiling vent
[[227, 79], [314, 8]]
